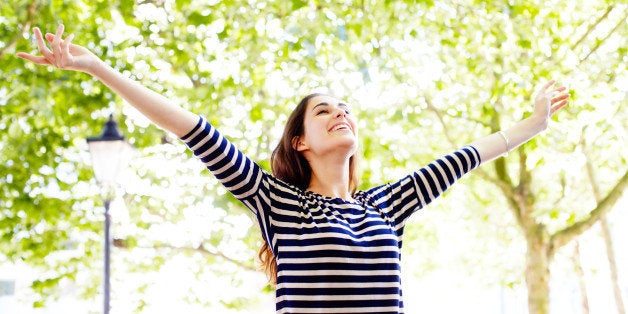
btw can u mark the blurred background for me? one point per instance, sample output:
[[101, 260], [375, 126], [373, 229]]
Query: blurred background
[[424, 77]]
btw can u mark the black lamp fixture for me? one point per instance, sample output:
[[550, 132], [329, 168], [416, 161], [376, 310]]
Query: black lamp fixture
[[109, 153]]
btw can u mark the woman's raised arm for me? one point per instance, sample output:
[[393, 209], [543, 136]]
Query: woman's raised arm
[[63, 54], [548, 100]]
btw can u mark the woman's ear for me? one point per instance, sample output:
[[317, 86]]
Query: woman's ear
[[298, 144]]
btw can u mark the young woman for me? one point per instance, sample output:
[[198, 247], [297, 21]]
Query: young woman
[[328, 247]]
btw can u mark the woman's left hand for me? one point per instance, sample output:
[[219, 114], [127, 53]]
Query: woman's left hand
[[549, 100]]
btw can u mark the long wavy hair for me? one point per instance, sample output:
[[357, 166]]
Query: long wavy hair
[[289, 165]]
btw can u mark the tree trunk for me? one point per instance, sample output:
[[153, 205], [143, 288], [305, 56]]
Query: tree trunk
[[581, 280], [610, 253], [537, 272], [606, 234]]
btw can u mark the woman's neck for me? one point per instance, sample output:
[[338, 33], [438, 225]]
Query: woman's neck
[[330, 177]]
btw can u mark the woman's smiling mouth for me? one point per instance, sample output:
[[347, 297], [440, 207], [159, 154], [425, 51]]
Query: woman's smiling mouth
[[342, 126]]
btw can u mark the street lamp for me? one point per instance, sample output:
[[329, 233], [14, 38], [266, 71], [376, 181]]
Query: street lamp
[[109, 153]]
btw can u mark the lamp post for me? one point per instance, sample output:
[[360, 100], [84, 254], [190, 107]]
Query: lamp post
[[109, 153]]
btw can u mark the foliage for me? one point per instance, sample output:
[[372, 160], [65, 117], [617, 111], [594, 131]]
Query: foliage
[[425, 76]]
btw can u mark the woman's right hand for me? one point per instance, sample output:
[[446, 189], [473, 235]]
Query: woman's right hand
[[62, 53]]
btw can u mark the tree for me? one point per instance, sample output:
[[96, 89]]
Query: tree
[[541, 47], [440, 73]]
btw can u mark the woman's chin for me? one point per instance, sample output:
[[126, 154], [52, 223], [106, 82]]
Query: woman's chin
[[348, 144]]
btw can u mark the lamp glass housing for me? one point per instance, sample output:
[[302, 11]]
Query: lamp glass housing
[[109, 158], [110, 153]]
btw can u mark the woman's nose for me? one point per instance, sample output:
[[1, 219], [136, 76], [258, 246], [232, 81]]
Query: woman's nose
[[340, 112]]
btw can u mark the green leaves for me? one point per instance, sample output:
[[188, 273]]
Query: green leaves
[[244, 64]]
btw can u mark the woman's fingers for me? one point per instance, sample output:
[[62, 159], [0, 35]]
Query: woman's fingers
[[56, 47], [557, 106], [561, 96], [558, 91], [56, 41], [547, 85], [65, 45], [554, 95], [54, 50], [43, 49], [50, 37], [558, 98], [34, 59], [549, 100], [60, 54]]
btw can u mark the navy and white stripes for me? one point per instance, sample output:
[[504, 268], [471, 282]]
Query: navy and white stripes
[[333, 256]]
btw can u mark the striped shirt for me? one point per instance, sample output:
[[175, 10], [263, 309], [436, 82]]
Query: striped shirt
[[333, 255]]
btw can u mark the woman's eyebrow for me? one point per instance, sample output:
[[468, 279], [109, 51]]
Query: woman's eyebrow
[[340, 104], [320, 104]]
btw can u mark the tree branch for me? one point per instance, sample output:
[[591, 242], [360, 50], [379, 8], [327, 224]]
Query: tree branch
[[599, 43], [565, 235], [441, 113], [431, 107], [563, 185], [503, 182], [590, 170], [30, 16], [582, 282], [593, 26], [121, 243]]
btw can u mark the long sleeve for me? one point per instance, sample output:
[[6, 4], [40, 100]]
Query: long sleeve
[[398, 200], [238, 173]]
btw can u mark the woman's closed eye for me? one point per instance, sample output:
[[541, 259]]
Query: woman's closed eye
[[325, 111]]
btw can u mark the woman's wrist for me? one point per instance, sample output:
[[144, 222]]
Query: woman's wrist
[[96, 68], [539, 123]]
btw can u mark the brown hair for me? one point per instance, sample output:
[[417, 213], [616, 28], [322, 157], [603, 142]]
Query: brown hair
[[289, 165]]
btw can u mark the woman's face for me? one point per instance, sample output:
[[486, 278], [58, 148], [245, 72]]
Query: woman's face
[[328, 125]]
